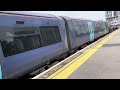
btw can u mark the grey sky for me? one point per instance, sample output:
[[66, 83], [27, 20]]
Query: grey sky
[[93, 15]]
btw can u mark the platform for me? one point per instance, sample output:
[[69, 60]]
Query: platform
[[102, 61]]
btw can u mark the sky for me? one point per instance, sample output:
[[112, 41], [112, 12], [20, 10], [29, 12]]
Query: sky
[[92, 15]]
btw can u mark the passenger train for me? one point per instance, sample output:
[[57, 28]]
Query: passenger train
[[31, 40]]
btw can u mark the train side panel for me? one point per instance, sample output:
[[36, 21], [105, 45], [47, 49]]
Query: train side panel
[[78, 32], [82, 33], [100, 29], [63, 35], [17, 61], [71, 35]]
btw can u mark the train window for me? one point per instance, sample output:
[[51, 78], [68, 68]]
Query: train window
[[17, 45], [78, 31], [11, 46], [77, 28], [19, 42], [36, 41], [23, 32], [101, 27], [16, 31], [85, 28], [75, 22], [57, 34], [81, 28], [50, 35], [97, 28], [80, 23]]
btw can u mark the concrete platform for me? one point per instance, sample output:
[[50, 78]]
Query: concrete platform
[[103, 64]]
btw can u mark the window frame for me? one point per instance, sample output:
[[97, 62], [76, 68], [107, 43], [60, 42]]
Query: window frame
[[82, 25], [18, 37], [38, 34], [53, 33]]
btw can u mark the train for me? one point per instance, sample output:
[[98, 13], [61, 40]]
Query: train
[[30, 40]]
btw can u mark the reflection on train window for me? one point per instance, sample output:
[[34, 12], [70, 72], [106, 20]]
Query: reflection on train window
[[14, 42], [50, 35], [97, 27], [18, 30], [100, 27], [57, 34], [81, 29], [104, 26], [17, 45], [78, 31], [86, 30]]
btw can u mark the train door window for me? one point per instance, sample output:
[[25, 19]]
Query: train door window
[[36, 41], [77, 30], [50, 35], [100, 26], [82, 29], [14, 42], [85, 28], [96, 27], [57, 34]]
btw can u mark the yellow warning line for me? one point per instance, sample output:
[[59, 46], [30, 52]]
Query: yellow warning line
[[69, 68]]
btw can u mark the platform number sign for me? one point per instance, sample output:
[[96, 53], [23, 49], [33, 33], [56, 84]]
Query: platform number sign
[[91, 30]]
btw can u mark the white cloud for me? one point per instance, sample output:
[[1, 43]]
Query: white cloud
[[93, 15]]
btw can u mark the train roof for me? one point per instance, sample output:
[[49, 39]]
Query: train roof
[[82, 19], [85, 19], [28, 13]]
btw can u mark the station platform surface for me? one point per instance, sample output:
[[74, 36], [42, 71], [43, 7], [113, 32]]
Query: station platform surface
[[99, 62]]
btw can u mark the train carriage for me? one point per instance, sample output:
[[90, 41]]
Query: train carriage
[[81, 31], [29, 41]]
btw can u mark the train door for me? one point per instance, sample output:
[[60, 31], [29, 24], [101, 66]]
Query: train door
[[71, 37], [91, 30]]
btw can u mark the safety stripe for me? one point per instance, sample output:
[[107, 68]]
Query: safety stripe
[[0, 73]]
